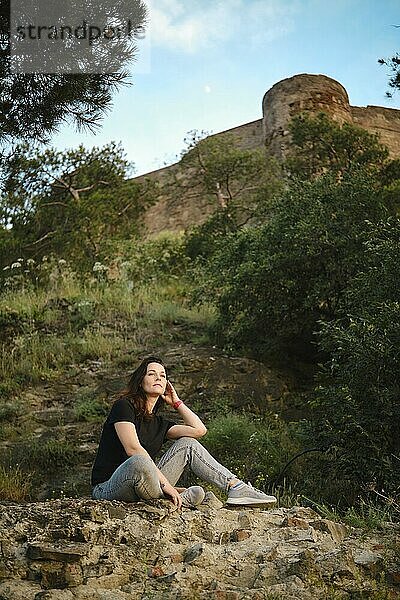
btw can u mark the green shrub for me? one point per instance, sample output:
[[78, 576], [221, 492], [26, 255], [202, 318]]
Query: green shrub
[[357, 405], [272, 284], [91, 410], [12, 323], [82, 312], [155, 260], [202, 241], [9, 413], [253, 449]]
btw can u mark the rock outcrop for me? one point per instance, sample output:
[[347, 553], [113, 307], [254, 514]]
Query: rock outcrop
[[87, 550]]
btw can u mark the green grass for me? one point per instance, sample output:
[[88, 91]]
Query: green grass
[[368, 515], [93, 323], [48, 456]]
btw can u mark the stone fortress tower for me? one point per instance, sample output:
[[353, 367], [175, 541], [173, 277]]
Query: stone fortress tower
[[319, 93], [302, 93], [287, 98]]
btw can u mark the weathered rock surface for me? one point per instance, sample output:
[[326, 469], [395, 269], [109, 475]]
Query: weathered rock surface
[[80, 549]]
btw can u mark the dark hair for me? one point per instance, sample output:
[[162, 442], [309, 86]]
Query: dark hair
[[134, 391]]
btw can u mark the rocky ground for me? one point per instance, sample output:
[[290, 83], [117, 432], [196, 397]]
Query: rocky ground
[[80, 549]]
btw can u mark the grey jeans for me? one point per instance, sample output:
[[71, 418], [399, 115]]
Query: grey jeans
[[137, 477]]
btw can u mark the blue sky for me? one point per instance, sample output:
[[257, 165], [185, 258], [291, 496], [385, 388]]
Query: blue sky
[[212, 61]]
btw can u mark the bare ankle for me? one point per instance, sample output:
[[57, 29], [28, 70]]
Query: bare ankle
[[233, 482]]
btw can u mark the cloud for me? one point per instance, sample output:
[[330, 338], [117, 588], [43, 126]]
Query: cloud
[[276, 19], [194, 25]]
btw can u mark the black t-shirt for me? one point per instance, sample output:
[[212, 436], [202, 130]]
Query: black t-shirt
[[110, 454]]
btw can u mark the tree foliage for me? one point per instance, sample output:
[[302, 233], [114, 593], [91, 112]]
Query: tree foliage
[[358, 401], [217, 168], [394, 69], [319, 279], [321, 145], [33, 105], [273, 283], [240, 183], [69, 203]]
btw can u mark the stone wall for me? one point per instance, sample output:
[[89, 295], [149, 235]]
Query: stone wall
[[248, 136], [380, 120], [172, 212]]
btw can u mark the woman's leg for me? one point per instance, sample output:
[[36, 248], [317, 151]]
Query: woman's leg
[[188, 451], [135, 479]]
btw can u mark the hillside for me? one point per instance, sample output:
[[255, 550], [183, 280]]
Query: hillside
[[57, 544]]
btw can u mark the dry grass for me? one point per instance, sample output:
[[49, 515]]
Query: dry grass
[[15, 486]]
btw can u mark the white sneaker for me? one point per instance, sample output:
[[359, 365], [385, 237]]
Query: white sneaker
[[192, 496], [243, 494]]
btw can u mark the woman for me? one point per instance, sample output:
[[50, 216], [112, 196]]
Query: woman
[[132, 436]]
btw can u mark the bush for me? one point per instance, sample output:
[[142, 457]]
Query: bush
[[273, 284], [91, 410], [358, 400], [9, 413], [12, 323], [158, 259], [252, 449]]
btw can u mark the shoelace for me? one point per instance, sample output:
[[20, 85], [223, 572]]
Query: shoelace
[[255, 489]]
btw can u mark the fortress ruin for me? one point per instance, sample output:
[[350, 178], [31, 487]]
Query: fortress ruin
[[287, 98]]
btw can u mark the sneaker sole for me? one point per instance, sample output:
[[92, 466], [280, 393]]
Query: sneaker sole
[[251, 501]]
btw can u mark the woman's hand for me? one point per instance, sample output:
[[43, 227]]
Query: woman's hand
[[173, 494], [170, 396]]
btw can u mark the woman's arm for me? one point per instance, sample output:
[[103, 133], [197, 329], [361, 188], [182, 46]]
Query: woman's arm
[[126, 432], [193, 425]]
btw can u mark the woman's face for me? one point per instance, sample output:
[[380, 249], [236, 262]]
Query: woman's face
[[155, 380]]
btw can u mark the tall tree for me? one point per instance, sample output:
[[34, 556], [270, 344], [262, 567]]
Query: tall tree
[[358, 399], [238, 183], [273, 284], [215, 167]]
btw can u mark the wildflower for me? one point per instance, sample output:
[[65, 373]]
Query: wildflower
[[6, 268], [30, 261], [62, 262], [16, 265], [99, 268]]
